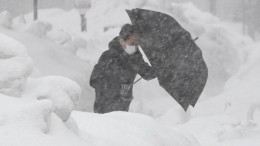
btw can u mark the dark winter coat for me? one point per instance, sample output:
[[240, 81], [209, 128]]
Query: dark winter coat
[[116, 67]]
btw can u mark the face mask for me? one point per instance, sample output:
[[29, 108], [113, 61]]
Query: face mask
[[130, 49]]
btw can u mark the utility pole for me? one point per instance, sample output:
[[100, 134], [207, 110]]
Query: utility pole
[[244, 17], [83, 6], [35, 10], [83, 23]]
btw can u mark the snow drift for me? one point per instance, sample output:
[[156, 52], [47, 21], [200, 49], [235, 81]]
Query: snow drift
[[63, 92], [131, 129], [15, 66]]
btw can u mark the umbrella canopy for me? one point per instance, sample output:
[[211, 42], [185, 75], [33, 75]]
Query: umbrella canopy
[[170, 49]]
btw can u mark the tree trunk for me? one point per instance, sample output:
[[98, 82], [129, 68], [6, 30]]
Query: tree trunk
[[83, 23]]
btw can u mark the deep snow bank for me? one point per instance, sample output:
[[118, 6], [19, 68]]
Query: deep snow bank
[[63, 92], [131, 129], [31, 124], [15, 66], [34, 119]]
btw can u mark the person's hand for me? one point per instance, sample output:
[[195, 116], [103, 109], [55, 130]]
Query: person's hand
[[125, 89]]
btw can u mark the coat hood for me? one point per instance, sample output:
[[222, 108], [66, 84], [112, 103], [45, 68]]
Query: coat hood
[[115, 45]]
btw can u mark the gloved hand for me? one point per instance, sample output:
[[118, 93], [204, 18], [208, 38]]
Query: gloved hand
[[125, 88]]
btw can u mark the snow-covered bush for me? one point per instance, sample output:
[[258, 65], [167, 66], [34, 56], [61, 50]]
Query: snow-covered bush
[[75, 44], [15, 66], [39, 28], [59, 36], [19, 23], [70, 42], [6, 19], [79, 42], [17, 112], [63, 92], [21, 119]]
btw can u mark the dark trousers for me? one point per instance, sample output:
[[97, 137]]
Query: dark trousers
[[105, 103]]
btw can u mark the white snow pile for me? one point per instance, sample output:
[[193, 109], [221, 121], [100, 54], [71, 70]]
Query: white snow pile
[[217, 129], [175, 116], [59, 36], [39, 28], [63, 92], [75, 44], [33, 124], [223, 129], [15, 66], [130, 129], [209, 130], [52, 59], [21, 118], [6, 19]]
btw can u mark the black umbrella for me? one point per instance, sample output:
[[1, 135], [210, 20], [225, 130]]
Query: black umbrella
[[170, 49]]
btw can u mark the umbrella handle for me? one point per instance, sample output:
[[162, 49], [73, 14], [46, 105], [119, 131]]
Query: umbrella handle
[[137, 81], [196, 39]]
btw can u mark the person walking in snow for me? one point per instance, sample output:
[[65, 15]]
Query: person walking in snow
[[114, 74]]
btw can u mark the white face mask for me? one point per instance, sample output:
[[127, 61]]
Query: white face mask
[[130, 49]]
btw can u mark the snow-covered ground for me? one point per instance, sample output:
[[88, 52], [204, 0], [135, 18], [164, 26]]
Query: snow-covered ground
[[48, 63]]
